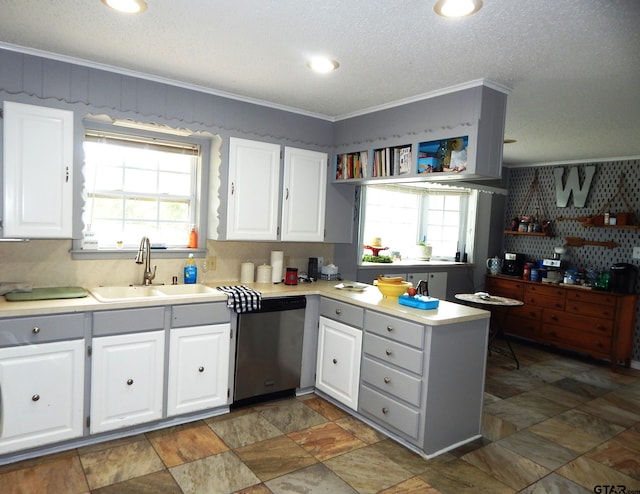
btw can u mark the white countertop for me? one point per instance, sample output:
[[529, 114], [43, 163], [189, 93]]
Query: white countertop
[[370, 298]]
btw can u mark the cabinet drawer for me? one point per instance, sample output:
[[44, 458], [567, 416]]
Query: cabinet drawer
[[340, 311], [41, 329], [581, 295], [127, 320], [544, 301], [526, 312], [586, 324], [199, 314], [578, 340], [393, 353], [406, 332], [544, 289], [389, 413], [526, 328], [590, 309], [504, 287], [391, 381]]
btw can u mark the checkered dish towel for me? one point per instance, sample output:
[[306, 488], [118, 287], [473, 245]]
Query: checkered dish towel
[[242, 298]]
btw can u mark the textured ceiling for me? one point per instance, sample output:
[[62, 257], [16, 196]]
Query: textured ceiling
[[573, 66]]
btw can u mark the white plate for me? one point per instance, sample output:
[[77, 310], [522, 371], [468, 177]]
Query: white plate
[[351, 285]]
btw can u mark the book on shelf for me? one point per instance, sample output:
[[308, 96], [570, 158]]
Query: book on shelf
[[351, 165], [404, 160]]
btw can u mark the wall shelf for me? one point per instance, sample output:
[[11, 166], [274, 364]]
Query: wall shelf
[[628, 227], [530, 234]]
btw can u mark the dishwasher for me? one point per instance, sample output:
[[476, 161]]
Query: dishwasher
[[269, 350]]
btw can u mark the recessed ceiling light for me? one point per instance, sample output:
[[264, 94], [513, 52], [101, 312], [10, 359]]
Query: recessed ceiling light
[[126, 6], [322, 65], [457, 8]]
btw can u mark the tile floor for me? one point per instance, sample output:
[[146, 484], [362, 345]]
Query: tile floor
[[558, 424]]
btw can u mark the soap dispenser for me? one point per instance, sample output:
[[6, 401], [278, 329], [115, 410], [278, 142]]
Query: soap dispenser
[[190, 271]]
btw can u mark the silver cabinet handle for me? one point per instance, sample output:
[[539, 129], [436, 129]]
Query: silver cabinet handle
[[338, 311], [388, 352], [129, 382], [35, 397], [389, 328], [286, 196], [233, 188], [35, 330], [386, 380], [200, 369], [66, 175], [335, 361], [385, 410]]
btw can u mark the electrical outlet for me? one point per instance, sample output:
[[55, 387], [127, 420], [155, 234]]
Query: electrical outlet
[[286, 261], [636, 253], [211, 263]]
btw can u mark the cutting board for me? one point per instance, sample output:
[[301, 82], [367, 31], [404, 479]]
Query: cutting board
[[48, 293]]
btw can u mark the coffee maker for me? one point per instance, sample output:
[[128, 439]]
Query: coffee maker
[[513, 264]]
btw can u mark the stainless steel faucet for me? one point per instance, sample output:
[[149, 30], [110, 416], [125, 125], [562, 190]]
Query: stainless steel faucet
[[144, 254]]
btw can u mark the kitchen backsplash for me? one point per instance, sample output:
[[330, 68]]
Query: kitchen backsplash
[[49, 263]]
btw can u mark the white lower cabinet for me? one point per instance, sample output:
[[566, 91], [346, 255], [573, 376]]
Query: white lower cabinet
[[338, 365], [198, 368], [126, 380], [41, 394]]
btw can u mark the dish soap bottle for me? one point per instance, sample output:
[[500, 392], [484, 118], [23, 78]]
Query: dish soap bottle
[[190, 271]]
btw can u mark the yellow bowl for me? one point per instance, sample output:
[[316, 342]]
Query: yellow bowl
[[394, 289]]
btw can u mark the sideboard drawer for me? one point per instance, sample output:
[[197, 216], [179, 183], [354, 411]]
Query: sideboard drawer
[[391, 381], [590, 296], [511, 288], [590, 324], [591, 310], [548, 301], [572, 338], [544, 289]]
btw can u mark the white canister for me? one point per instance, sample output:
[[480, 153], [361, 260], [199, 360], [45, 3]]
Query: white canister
[[264, 273], [247, 272], [277, 266]]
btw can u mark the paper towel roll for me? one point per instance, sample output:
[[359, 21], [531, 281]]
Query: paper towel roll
[[264, 273], [246, 272], [277, 265]]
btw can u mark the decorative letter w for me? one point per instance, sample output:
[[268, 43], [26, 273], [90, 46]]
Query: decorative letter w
[[573, 185]]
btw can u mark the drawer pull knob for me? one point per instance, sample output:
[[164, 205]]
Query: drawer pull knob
[[200, 369], [35, 397], [129, 382], [335, 361], [554, 318], [35, 330], [387, 380], [389, 328], [338, 311], [388, 352], [385, 410]]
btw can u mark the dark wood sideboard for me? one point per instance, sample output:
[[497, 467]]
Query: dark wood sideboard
[[597, 323]]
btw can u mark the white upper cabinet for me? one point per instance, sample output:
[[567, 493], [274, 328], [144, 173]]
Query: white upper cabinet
[[304, 195], [253, 191], [254, 199], [38, 171]]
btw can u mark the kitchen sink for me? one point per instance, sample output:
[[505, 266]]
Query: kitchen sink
[[135, 293], [195, 289], [119, 293]]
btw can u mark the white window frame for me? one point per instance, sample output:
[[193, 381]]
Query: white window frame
[[198, 213], [465, 232]]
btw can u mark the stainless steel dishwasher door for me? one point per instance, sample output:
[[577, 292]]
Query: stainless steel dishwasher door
[[269, 348]]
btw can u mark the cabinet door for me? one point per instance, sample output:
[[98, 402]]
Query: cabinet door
[[338, 366], [253, 194], [41, 398], [126, 380], [38, 168], [198, 368], [304, 195]]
